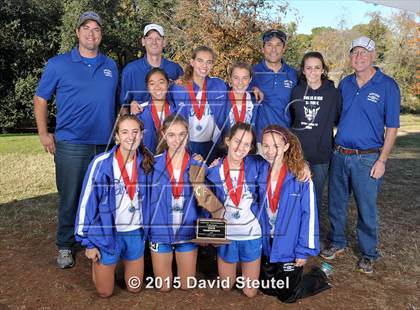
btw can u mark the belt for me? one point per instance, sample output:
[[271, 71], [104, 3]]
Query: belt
[[345, 151]]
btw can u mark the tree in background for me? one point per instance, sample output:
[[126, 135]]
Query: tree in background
[[401, 59], [28, 37], [232, 28]]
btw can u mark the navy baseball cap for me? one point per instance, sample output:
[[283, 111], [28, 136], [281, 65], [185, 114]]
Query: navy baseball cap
[[269, 34], [89, 15]]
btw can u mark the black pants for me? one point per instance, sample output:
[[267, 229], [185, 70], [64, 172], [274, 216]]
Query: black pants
[[288, 283]]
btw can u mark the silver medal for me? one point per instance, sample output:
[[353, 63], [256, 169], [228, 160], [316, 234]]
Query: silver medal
[[177, 208], [236, 215], [132, 209], [198, 127]]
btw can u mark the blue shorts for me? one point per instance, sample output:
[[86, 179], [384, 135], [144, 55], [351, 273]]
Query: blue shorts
[[243, 251], [130, 246], [168, 248]]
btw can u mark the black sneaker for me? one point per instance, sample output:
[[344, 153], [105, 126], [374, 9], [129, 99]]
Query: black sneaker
[[365, 265], [331, 251]]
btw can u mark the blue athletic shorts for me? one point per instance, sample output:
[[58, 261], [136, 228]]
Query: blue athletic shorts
[[240, 251], [168, 248], [130, 246]]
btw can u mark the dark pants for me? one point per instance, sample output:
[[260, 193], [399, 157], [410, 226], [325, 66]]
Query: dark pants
[[319, 177], [71, 163], [294, 284]]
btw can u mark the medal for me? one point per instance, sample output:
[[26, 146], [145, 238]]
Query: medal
[[272, 220], [198, 127], [199, 110], [130, 185], [238, 118], [236, 215], [177, 208], [132, 209], [235, 196], [274, 201], [177, 188], [156, 120]]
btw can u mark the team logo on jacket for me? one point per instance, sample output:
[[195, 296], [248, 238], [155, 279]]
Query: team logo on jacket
[[374, 97], [107, 72], [288, 83]]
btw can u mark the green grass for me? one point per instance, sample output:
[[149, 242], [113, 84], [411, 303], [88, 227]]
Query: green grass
[[20, 144]]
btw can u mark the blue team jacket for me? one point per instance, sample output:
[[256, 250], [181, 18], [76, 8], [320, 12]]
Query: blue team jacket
[[251, 165], [296, 232], [95, 218], [216, 99], [160, 220], [150, 138]]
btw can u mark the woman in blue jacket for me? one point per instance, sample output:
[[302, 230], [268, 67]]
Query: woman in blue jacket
[[289, 220], [154, 111], [202, 102], [234, 181], [112, 208], [174, 209]]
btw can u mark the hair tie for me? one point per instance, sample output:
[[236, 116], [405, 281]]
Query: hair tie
[[277, 132]]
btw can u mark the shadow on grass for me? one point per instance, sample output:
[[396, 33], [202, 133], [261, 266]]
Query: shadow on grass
[[410, 140], [40, 209]]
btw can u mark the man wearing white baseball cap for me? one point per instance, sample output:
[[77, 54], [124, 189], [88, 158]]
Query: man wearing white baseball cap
[[366, 133], [133, 84]]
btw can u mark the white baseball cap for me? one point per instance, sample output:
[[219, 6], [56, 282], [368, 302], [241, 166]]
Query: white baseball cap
[[156, 27], [364, 42]]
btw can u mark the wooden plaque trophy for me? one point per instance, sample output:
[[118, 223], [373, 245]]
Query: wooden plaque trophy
[[208, 230]]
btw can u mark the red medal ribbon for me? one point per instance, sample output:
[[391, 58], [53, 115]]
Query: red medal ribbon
[[238, 118], [155, 116], [199, 110], [235, 196], [274, 201], [177, 188], [130, 185]]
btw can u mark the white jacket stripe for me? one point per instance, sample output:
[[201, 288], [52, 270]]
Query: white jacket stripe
[[311, 237], [87, 192]]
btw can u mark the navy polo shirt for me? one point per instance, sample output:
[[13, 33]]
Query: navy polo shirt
[[277, 88], [85, 96], [367, 110], [133, 84]]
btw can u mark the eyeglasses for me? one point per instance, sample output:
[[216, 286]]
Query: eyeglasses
[[362, 53]]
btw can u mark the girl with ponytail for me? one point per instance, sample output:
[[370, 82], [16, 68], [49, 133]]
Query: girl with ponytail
[[202, 102], [288, 218], [113, 206]]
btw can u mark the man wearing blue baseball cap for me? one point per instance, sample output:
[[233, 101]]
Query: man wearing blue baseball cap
[[366, 133], [276, 80], [84, 83]]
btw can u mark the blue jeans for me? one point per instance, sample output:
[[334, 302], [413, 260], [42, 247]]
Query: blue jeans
[[319, 176], [352, 173], [71, 163]]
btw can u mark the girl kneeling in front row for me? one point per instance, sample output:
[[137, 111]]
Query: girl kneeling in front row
[[113, 204], [234, 183], [173, 208], [289, 219]]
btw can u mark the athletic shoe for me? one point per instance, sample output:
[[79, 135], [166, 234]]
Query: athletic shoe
[[365, 265], [331, 251], [65, 259]]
